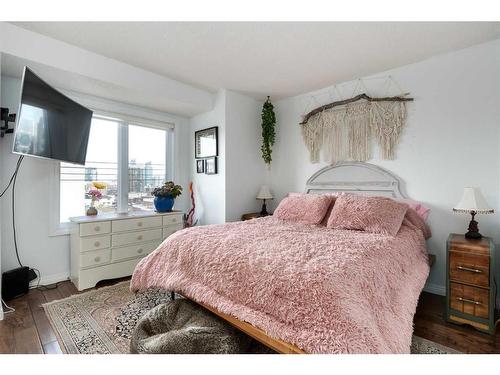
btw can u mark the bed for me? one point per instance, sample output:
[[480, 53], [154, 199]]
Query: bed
[[303, 288]]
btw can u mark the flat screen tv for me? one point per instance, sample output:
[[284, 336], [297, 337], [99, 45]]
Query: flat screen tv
[[49, 124]]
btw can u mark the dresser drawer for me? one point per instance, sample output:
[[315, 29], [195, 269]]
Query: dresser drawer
[[95, 258], [167, 231], [469, 268], [135, 237], [95, 243], [92, 229], [139, 250], [172, 219], [134, 224], [469, 300]]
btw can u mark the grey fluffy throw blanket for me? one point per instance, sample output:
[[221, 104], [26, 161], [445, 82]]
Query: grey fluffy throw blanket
[[181, 326]]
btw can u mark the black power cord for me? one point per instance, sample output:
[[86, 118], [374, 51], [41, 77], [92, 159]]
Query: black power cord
[[13, 207], [13, 175]]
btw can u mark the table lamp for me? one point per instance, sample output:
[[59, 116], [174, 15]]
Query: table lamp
[[264, 194], [474, 203]]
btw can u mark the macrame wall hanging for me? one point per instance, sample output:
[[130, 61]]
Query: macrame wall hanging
[[344, 129]]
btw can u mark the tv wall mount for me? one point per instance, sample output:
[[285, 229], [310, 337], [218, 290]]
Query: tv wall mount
[[5, 119]]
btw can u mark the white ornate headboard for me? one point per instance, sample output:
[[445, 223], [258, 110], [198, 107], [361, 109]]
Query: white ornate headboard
[[355, 177]]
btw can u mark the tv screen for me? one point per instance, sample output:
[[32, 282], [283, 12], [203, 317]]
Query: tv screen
[[50, 125]]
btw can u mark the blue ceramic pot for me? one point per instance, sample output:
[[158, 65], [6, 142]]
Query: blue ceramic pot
[[164, 204]]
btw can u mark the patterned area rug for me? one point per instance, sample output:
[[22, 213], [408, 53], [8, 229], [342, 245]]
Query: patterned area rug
[[101, 321]]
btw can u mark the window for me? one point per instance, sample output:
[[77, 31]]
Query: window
[[109, 156], [146, 165], [101, 165]]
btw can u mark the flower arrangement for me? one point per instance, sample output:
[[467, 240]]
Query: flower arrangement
[[168, 189], [95, 195], [99, 185]]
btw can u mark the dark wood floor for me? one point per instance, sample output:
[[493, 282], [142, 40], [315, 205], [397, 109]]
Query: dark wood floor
[[28, 330]]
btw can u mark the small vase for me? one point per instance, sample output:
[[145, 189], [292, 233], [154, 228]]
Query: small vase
[[164, 204], [92, 211]]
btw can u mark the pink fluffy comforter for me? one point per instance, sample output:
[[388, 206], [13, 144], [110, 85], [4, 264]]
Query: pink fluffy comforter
[[324, 290]]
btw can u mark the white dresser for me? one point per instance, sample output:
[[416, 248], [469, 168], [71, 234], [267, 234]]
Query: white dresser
[[110, 245]]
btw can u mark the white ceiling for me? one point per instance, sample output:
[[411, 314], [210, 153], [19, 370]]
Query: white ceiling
[[277, 59]]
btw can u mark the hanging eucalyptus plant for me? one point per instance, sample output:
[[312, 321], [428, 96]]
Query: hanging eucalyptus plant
[[268, 131]]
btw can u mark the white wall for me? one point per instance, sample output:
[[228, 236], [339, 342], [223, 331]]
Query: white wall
[[37, 248], [451, 141], [245, 169], [210, 190], [231, 193]]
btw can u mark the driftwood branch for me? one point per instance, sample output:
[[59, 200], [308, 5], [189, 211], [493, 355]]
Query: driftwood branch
[[354, 99]]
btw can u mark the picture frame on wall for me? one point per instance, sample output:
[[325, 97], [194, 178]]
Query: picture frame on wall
[[200, 166], [206, 143], [211, 165]]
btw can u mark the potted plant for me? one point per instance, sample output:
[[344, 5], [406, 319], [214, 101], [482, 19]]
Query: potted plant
[[165, 196], [268, 131]]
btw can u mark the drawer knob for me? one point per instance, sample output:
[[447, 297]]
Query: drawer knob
[[468, 301], [468, 269], [140, 251], [97, 259], [97, 228], [139, 237], [97, 244], [139, 224]]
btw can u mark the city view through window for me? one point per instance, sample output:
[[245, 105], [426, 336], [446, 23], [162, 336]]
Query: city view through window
[[146, 170], [147, 152]]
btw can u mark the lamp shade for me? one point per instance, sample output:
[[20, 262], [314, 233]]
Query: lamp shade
[[264, 193], [473, 200]]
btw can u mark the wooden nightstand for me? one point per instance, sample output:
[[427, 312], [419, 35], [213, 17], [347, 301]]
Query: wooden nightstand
[[252, 215], [470, 285]]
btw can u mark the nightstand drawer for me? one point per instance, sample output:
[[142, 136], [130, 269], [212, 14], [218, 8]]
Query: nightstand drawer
[[470, 268], [134, 237], [95, 243], [469, 300], [133, 224], [93, 229], [95, 258]]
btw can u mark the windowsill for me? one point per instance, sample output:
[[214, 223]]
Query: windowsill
[[63, 229]]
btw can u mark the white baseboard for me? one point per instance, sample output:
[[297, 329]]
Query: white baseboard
[[51, 279]]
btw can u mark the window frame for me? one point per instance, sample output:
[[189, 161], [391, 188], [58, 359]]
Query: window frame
[[56, 228]]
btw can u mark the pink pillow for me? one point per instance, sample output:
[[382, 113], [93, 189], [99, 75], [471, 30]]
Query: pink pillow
[[412, 218], [419, 208], [304, 208], [370, 214], [333, 196]]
